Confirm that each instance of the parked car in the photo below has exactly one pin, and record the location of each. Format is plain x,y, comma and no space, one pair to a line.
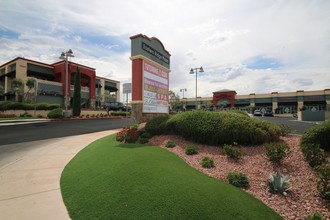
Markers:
257,113
116,106
268,113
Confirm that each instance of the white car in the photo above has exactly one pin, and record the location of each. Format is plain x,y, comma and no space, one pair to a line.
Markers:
257,113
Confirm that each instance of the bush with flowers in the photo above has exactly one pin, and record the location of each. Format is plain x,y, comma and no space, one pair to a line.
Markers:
127,135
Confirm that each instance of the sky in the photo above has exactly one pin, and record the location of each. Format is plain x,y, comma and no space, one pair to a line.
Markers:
249,46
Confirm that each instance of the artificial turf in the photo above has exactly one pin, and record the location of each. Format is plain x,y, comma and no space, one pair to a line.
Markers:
111,180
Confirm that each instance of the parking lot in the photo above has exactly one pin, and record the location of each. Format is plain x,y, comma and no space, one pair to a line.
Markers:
298,127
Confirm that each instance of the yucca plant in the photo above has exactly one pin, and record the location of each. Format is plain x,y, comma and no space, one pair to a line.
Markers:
278,183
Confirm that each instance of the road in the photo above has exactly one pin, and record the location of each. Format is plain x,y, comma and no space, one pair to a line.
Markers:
26,132
298,127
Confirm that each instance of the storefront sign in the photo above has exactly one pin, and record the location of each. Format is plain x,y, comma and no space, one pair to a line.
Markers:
127,88
155,53
155,89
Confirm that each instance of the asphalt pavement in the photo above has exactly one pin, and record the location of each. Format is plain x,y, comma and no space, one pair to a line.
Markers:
298,127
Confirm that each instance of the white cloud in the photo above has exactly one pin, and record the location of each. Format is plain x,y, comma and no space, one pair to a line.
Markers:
218,35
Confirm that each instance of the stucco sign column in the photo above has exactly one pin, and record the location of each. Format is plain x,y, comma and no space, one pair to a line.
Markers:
150,77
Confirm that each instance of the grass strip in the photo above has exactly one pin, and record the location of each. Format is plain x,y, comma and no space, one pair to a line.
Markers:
111,180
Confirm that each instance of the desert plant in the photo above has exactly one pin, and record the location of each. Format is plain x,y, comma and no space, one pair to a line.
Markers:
207,162
278,183
315,216
170,144
233,151
323,184
238,179
191,149
55,113
277,151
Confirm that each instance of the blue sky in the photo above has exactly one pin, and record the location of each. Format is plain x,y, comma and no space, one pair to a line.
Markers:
249,46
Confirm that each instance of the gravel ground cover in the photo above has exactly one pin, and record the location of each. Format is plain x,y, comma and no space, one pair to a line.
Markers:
303,199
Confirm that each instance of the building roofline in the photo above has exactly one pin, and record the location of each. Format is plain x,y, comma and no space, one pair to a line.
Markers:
101,77
22,58
61,61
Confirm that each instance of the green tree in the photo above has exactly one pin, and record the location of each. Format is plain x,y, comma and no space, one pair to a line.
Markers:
1,90
30,84
174,100
76,105
17,86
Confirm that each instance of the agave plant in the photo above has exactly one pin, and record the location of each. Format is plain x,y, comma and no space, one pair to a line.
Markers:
278,183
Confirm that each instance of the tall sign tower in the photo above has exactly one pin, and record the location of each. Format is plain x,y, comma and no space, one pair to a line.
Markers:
150,77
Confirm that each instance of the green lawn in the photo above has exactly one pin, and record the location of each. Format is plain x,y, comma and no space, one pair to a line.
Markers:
111,180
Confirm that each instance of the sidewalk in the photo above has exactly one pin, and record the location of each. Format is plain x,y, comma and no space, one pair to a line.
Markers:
30,177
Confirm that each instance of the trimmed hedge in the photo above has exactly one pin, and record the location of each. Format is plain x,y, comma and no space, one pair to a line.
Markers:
157,125
218,128
9,105
317,135
55,113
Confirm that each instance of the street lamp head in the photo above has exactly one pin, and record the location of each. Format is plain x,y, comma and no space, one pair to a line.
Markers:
62,57
69,53
191,71
201,70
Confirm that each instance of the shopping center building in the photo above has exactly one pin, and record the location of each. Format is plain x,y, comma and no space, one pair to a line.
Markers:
51,82
277,102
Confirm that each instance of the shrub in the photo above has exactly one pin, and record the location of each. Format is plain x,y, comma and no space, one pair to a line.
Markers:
233,152
323,184
4,105
52,106
55,113
277,151
119,114
315,216
285,129
157,125
238,179
25,114
143,140
318,134
7,115
191,149
314,155
207,162
218,128
134,126
170,144
278,183
127,135
145,134
42,106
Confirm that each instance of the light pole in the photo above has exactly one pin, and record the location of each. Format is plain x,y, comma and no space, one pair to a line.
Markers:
192,71
65,56
183,90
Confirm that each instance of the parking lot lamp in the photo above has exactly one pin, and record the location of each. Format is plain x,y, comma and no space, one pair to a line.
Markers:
65,56
193,71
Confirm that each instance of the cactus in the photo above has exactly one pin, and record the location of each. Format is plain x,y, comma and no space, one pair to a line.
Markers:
278,183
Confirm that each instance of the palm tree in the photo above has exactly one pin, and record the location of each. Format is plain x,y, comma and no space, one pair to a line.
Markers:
17,87
30,84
